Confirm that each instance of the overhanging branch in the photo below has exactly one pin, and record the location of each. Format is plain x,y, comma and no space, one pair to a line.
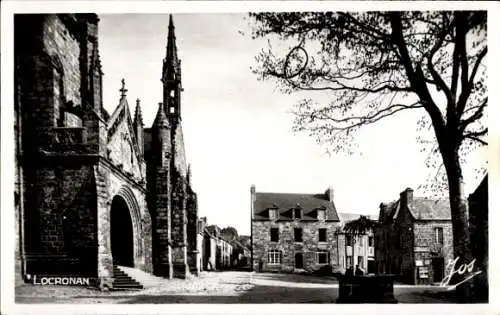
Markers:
462,100
477,115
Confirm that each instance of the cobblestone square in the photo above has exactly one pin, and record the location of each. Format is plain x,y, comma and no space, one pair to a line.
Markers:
223,287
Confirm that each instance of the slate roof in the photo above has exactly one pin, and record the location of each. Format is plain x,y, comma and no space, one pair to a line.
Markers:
422,209
429,209
287,202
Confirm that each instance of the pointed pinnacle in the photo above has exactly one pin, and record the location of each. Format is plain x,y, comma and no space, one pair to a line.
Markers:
138,113
171,46
161,119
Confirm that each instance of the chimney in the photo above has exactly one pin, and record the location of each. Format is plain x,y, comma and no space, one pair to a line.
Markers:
202,222
407,197
329,193
383,209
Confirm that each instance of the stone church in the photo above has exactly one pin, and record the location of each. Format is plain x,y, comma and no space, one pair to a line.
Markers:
95,190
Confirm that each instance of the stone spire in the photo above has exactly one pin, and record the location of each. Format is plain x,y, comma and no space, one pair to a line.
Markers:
171,78
188,174
139,126
171,45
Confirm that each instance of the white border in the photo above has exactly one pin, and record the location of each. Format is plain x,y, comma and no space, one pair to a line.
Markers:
101,7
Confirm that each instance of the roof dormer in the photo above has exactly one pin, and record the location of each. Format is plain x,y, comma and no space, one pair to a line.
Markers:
297,212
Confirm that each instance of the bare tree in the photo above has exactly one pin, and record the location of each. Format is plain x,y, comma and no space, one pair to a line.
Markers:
367,66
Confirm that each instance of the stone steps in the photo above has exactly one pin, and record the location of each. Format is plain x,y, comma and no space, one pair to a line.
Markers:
122,281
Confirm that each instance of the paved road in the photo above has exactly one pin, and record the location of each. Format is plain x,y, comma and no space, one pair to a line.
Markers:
220,287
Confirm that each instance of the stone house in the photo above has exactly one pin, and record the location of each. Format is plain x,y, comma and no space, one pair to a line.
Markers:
211,255
414,239
356,250
95,190
293,232
223,247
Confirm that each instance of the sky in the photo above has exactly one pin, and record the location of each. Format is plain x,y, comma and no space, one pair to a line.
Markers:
237,130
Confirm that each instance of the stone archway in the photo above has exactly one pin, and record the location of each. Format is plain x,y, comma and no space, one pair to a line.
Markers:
122,233
125,229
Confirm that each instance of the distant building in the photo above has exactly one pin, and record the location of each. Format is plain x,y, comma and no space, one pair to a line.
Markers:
217,251
209,251
415,238
356,250
293,232
200,244
241,254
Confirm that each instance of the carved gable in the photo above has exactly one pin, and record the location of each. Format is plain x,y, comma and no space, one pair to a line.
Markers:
122,142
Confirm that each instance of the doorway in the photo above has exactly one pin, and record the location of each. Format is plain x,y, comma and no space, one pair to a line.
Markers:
299,261
122,234
438,268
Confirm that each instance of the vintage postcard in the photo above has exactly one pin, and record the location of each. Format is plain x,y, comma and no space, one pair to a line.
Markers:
285,156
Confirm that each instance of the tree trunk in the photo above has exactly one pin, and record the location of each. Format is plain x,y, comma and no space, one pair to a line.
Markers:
459,218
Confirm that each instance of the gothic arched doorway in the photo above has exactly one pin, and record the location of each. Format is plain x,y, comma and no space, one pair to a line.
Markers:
122,233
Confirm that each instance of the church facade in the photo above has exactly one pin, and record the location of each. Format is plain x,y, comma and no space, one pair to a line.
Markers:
96,190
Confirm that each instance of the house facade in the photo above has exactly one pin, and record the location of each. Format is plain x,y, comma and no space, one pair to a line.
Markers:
356,250
414,240
223,248
95,190
293,232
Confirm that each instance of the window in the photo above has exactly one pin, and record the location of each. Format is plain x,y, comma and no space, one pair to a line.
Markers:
274,257
439,235
275,236
322,235
298,213
360,262
370,241
297,235
348,240
322,258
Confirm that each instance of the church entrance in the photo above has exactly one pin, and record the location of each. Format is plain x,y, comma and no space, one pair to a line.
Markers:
122,233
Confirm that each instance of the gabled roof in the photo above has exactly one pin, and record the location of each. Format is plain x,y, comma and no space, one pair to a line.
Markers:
286,202
429,209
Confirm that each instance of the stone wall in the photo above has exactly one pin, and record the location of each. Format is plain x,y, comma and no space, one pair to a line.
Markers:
192,230
261,244
425,239
61,222
61,42
179,150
